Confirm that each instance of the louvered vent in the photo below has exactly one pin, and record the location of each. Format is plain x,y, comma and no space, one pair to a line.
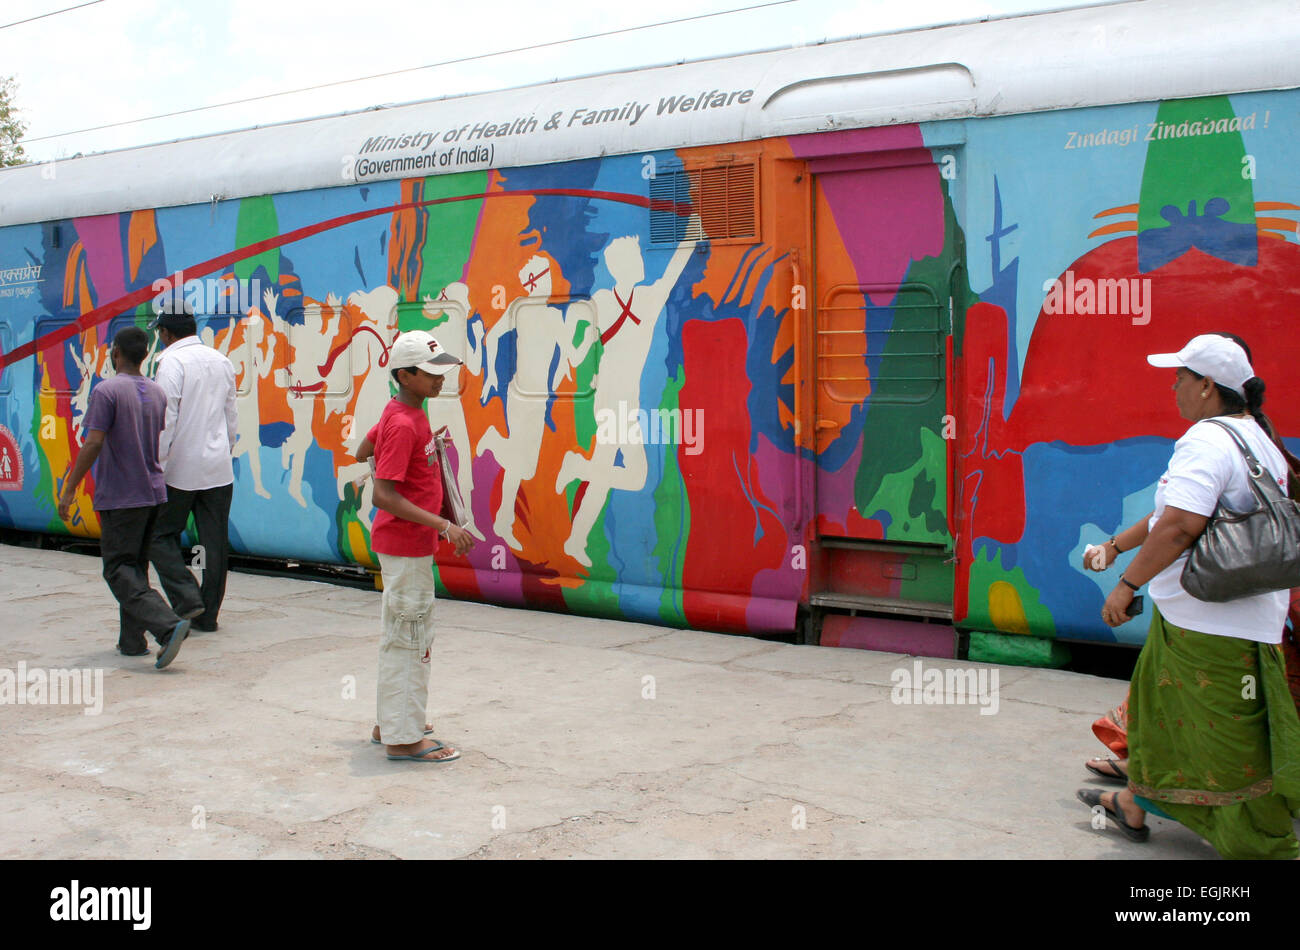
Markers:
721,201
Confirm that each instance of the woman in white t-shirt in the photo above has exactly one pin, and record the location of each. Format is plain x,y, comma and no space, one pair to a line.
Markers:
1213,736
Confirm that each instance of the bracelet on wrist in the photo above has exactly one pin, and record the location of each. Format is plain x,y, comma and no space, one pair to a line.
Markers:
1129,583
1115,545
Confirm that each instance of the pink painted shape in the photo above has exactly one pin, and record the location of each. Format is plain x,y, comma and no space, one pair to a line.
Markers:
776,472
101,236
850,141
887,217
835,489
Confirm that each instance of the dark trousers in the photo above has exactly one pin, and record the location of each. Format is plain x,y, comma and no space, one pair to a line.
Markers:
125,536
211,509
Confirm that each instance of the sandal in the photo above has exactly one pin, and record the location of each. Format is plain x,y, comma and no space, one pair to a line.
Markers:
1117,775
1092,798
424,756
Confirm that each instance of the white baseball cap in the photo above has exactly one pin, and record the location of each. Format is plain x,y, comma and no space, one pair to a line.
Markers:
417,349
1221,359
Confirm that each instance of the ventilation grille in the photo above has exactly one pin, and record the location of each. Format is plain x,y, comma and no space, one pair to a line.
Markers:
722,202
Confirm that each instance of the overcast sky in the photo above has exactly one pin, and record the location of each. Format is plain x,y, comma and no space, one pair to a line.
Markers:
119,60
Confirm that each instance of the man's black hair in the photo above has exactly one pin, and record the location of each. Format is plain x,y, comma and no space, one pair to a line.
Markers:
132,343
176,316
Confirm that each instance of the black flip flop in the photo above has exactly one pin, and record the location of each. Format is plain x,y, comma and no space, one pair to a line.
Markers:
1092,798
1122,776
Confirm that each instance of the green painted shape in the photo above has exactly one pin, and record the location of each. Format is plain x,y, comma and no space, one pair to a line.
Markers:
1195,167
347,513
596,595
672,519
257,221
45,484
920,491
898,437
448,239
933,582
983,573
584,409
1012,650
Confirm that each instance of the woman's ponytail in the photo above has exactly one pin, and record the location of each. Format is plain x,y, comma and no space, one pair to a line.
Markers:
1254,388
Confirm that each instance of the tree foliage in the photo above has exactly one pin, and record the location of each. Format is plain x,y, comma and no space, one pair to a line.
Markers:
11,127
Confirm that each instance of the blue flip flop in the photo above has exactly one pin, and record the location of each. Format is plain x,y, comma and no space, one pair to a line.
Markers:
168,652
424,756
374,741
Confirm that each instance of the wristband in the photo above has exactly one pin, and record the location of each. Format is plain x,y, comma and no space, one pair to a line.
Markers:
1129,583
1115,544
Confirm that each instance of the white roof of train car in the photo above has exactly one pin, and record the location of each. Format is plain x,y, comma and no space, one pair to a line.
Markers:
1124,52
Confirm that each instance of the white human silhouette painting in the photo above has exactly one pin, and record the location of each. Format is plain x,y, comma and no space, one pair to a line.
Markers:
6,467
627,314
311,345
373,331
253,362
540,330
91,361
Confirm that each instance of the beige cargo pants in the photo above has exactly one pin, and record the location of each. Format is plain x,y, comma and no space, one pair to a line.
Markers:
402,695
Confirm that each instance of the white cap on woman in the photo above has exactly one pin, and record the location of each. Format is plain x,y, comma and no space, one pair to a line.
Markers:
1209,354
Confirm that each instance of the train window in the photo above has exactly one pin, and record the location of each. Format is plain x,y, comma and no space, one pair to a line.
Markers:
231,335
902,361
445,320
319,361
69,368
552,335
723,200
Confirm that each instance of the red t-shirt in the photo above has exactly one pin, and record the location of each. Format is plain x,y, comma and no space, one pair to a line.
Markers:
404,453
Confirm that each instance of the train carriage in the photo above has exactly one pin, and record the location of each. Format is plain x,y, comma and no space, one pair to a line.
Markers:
801,340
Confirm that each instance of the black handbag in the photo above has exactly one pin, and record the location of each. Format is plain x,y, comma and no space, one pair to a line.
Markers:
1243,553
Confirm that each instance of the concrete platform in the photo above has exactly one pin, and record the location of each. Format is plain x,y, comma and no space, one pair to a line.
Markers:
255,743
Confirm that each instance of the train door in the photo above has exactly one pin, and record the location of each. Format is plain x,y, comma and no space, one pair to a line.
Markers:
881,333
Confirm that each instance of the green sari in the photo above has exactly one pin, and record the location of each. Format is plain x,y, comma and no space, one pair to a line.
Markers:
1214,739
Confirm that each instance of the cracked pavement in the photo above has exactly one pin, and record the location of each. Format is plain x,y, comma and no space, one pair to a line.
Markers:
580,737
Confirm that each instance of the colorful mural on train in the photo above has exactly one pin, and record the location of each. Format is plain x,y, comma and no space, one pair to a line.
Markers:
661,423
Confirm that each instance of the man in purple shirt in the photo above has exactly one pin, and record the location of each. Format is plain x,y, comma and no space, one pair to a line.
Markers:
123,422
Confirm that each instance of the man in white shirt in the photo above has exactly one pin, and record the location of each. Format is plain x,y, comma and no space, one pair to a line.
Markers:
195,449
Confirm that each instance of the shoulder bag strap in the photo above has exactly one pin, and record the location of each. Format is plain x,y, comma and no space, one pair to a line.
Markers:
1260,478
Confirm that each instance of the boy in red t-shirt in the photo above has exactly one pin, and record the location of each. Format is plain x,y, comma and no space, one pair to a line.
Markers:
408,494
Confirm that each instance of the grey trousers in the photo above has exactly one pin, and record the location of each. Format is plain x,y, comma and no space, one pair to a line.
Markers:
124,542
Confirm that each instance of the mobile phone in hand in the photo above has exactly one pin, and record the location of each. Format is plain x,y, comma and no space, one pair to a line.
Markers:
1136,606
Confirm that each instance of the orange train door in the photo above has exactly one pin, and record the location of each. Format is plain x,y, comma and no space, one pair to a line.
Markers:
880,335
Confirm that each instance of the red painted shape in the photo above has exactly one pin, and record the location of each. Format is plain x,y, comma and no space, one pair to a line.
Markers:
889,636
328,365
992,489
1087,381
722,554
626,312
11,462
